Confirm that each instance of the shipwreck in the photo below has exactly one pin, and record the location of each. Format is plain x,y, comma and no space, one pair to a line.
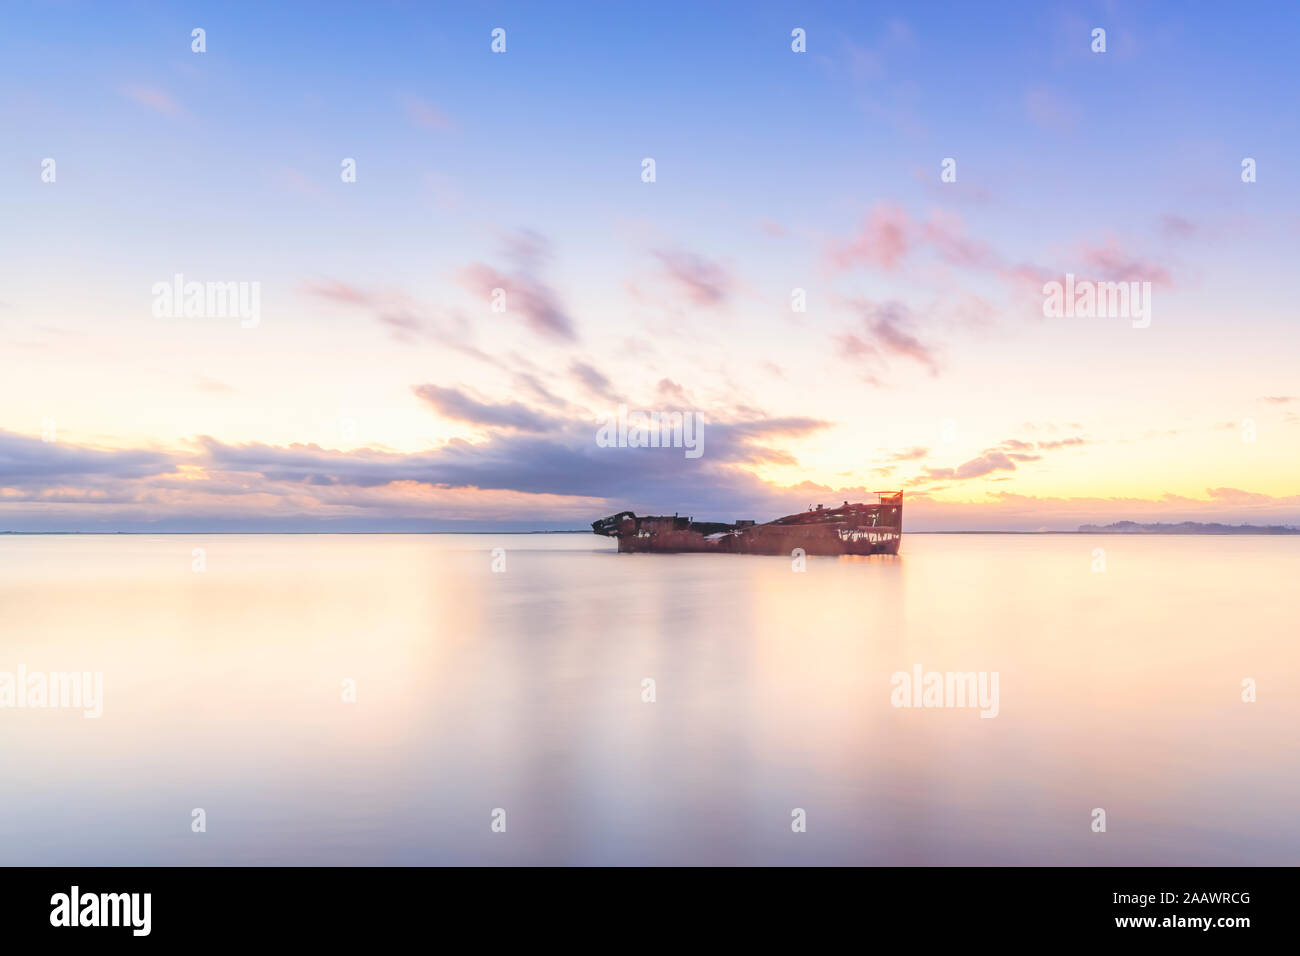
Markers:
849,529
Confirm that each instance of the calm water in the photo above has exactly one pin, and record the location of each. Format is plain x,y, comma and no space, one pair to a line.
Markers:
522,690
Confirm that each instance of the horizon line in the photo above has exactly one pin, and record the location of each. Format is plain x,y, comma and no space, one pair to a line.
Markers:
1251,530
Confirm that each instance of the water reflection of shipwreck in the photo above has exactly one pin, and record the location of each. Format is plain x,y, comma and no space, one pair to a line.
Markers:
849,529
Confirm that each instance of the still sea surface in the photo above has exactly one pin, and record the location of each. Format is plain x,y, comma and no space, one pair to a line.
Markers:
522,690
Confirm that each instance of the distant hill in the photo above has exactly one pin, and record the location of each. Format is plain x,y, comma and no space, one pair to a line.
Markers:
1185,527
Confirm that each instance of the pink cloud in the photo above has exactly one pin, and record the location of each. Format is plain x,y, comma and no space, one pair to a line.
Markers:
154,98
1177,227
337,291
526,295
701,281
886,331
297,182
1050,110
975,468
426,115
882,241
673,392
1117,265
946,232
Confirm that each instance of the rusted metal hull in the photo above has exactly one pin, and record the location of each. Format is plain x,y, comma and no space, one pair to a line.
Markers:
850,529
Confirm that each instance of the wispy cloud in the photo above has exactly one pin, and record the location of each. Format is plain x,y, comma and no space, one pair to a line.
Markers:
671,391
699,280
425,115
1008,454
975,468
1116,264
1178,227
456,405
526,294
1073,442
153,98
336,291
1050,110
296,181
213,386
885,332
882,241
910,454
946,233
404,326
593,380
405,319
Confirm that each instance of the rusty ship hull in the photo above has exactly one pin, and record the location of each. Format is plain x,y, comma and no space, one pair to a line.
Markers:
849,529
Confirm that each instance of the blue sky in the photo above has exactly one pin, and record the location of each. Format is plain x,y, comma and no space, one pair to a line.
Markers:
775,170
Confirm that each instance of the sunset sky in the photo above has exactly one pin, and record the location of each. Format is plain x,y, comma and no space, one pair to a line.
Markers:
380,391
